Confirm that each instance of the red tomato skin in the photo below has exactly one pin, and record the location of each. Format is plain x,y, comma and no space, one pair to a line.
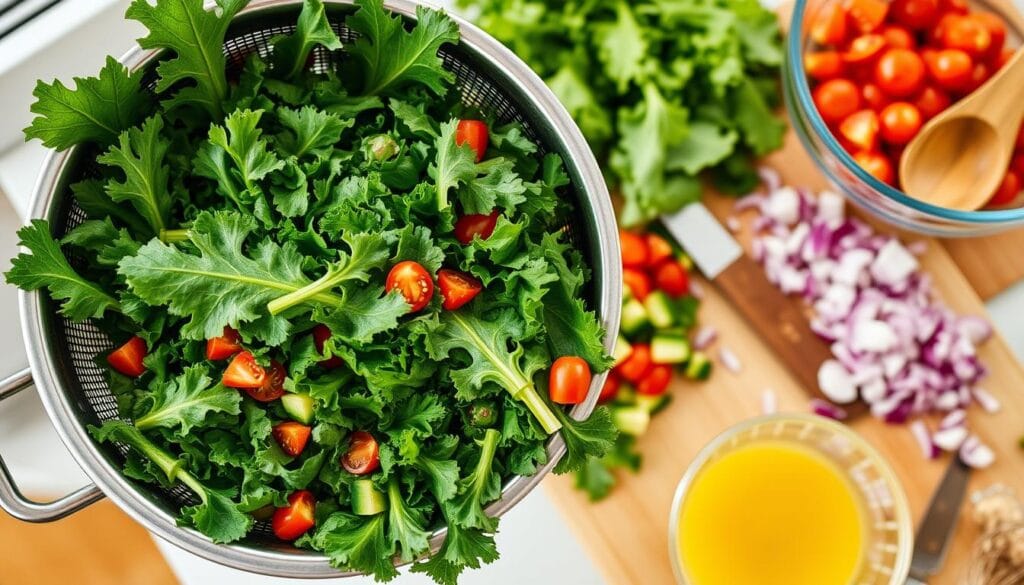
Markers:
867,15
874,97
291,436
951,69
954,6
272,387
359,442
899,123
638,282
635,367
658,249
634,249
864,48
292,522
931,102
1020,138
876,164
1017,164
996,31
474,224
967,34
243,372
225,346
569,380
671,277
321,333
915,14
830,25
127,359
824,65
473,133
898,37
900,72
457,288
861,129
836,99
1004,57
1007,191
413,281
656,382
979,75
610,389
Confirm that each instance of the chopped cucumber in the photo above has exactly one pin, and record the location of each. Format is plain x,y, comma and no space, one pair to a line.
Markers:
634,317
699,366
627,293
631,420
669,348
653,404
366,500
622,350
659,309
626,395
299,407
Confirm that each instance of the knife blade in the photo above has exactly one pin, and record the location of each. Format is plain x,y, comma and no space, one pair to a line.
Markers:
935,533
779,320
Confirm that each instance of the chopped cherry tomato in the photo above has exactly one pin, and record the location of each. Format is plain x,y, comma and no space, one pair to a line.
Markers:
671,277
291,436
127,359
638,282
272,387
874,97
295,520
830,25
954,6
321,333
636,366
861,129
469,226
898,37
413,281
877,165
363,454
900,72
931,101
225,346
1017,164
473,133
996,30
936,32
951,69
823,65
1008,190
610,389
967,34
836,99
457,288
657,249
569,380
867,15
864,48
244,372
634,249
915,14
656,381
899,123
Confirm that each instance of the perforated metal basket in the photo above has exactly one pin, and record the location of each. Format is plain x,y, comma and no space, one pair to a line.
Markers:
61,353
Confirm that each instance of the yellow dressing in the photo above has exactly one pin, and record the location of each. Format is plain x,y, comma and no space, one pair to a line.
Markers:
771,513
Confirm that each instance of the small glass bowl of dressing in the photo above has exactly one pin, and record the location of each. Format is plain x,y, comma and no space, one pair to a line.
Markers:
790,499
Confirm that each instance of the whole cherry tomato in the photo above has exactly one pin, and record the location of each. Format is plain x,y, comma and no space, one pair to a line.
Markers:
569,380
473,133
898,37
915,14
899,123
1007,191
634,249
900,72
836,99
951,69
823,65
967,34
996,30
931,101
656,381
877,165
874,97
861,129
979,75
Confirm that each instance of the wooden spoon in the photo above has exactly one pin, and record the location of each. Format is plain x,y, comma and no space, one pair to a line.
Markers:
959,158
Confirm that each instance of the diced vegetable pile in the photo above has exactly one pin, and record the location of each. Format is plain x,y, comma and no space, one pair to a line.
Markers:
344,303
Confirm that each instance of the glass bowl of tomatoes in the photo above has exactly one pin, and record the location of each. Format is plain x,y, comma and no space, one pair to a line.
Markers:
861,77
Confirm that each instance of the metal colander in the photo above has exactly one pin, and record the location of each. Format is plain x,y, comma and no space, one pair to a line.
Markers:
61,354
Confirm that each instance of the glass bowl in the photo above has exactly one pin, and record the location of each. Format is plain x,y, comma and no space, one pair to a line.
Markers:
888,526
881,200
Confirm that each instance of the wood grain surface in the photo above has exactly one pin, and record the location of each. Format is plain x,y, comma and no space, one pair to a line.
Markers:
627,534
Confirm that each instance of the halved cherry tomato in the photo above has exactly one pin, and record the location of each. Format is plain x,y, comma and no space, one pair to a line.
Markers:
931,101
829,26
967,34
1017,164
272,387
867,15
295,520
291,436
321,333
823,65
656,381
951,69
457,288
469,226
861,129
898,37
671,277
225,346
915,14
413,281
996,30
473,133
899,123
634,249
874,97
900,72
1008,190
877,165
363,454
657,249
610,389
836,99
569,380
638,282
127,359
636,366
244,372
864,48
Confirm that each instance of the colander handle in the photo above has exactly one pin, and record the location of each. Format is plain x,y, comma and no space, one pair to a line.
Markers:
11,499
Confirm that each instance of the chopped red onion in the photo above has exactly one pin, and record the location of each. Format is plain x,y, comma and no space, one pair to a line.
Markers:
924,439
769,401
730,360
827,409
770,177
976,454
696,290
918,248
987,401
950,439
836,383
752,201
957,418
704,337
733,223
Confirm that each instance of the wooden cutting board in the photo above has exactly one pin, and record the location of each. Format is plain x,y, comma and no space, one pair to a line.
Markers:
626,535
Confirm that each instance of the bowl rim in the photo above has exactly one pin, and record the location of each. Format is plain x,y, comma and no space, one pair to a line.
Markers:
794,55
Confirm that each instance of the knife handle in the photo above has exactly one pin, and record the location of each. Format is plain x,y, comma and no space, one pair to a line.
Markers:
781,323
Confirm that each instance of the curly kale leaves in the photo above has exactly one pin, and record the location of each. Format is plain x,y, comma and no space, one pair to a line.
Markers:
292,52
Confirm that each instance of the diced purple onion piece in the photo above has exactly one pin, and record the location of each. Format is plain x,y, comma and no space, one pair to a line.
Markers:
827,409
924,439
976,454
987,401
704,337
730,360
769,401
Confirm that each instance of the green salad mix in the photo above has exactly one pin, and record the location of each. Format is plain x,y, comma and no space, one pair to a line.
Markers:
265,246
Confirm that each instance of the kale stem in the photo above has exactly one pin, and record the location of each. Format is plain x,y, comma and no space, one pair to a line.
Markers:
297,297
170,236
547,419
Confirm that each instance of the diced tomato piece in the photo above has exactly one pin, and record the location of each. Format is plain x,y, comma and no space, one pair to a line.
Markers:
899,123
829,26
656,381
638,282
670,276
244,372
634,249
469,226
295,520
823,65
363,454
867,15
457,288
864,48
291,436
413,281
127,359
473,133
321,333
900,72
915,14
931,102
658,249
225,346
636,366
1007,191
272,387
877,165
861,129
569,380
836,99
610,389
